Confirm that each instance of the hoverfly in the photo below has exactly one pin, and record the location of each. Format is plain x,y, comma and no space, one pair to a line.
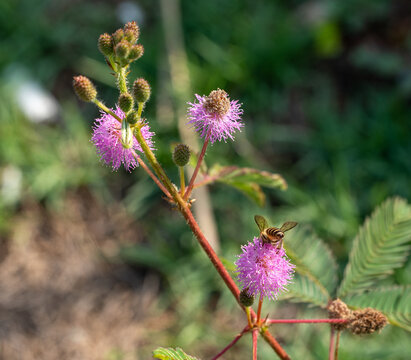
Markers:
272,235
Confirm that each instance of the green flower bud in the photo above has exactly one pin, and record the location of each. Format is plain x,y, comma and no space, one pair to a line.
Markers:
132,118
136,52
84,88
125,101
245,298
141,90
181,155
122,49
118,35
131,31
105,44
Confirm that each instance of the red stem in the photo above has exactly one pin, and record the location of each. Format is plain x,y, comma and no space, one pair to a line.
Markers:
331,349
200,159
305,321
275,345
255,334
232,343
260,305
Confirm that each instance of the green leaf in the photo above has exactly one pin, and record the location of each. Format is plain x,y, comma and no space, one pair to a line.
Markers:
303,289
246,180
393,301
229,174
171,354
381,245
312,257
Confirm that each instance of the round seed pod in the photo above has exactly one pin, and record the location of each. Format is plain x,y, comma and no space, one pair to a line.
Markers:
118,35
136,52
181,155
132,118
141,90
122,49
367,321
246,299
84,88
131,31
105,44
125,101
339,310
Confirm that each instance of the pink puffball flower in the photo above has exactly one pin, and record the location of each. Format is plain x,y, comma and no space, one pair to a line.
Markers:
107,140
215,116
263,269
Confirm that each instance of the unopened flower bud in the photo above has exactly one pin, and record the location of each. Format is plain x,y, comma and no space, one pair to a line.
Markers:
367,321
84,88
118,35
136,52
181,155
246,299
339,310
122,49
105,44
141,90
217,103
126,135
125,101
131,31
132,118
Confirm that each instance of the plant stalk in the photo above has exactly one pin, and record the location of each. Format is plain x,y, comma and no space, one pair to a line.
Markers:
106,109
232,343
199,161
182,180
255,335
305,321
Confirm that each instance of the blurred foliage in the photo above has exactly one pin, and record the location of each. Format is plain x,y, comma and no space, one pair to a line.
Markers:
325,86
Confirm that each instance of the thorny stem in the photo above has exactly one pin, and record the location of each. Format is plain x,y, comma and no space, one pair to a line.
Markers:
122,81
255,335
106,109
150,173
331,349
182,180
195,173
337,344
260,305
232,343
305,321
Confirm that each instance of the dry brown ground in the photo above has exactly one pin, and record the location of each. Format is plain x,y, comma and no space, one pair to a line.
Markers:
59,298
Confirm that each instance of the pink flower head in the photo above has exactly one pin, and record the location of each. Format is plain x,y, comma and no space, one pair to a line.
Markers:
215,116
107,139
263,269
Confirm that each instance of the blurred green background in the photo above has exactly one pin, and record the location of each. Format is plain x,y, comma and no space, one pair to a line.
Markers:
326,90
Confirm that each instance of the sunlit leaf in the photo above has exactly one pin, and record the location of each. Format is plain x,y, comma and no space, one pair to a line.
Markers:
172,354
381,245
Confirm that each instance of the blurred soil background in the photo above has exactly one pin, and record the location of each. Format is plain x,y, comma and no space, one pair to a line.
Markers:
94,264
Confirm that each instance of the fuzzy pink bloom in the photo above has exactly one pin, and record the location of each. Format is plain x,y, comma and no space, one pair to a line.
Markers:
264,269
107,139
215,115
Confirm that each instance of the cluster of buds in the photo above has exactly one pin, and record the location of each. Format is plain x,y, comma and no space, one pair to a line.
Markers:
121,47
359,322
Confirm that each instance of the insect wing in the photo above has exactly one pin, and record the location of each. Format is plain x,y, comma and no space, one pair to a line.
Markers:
261,222
288,226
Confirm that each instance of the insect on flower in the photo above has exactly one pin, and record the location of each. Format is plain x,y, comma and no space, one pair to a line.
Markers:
271,234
